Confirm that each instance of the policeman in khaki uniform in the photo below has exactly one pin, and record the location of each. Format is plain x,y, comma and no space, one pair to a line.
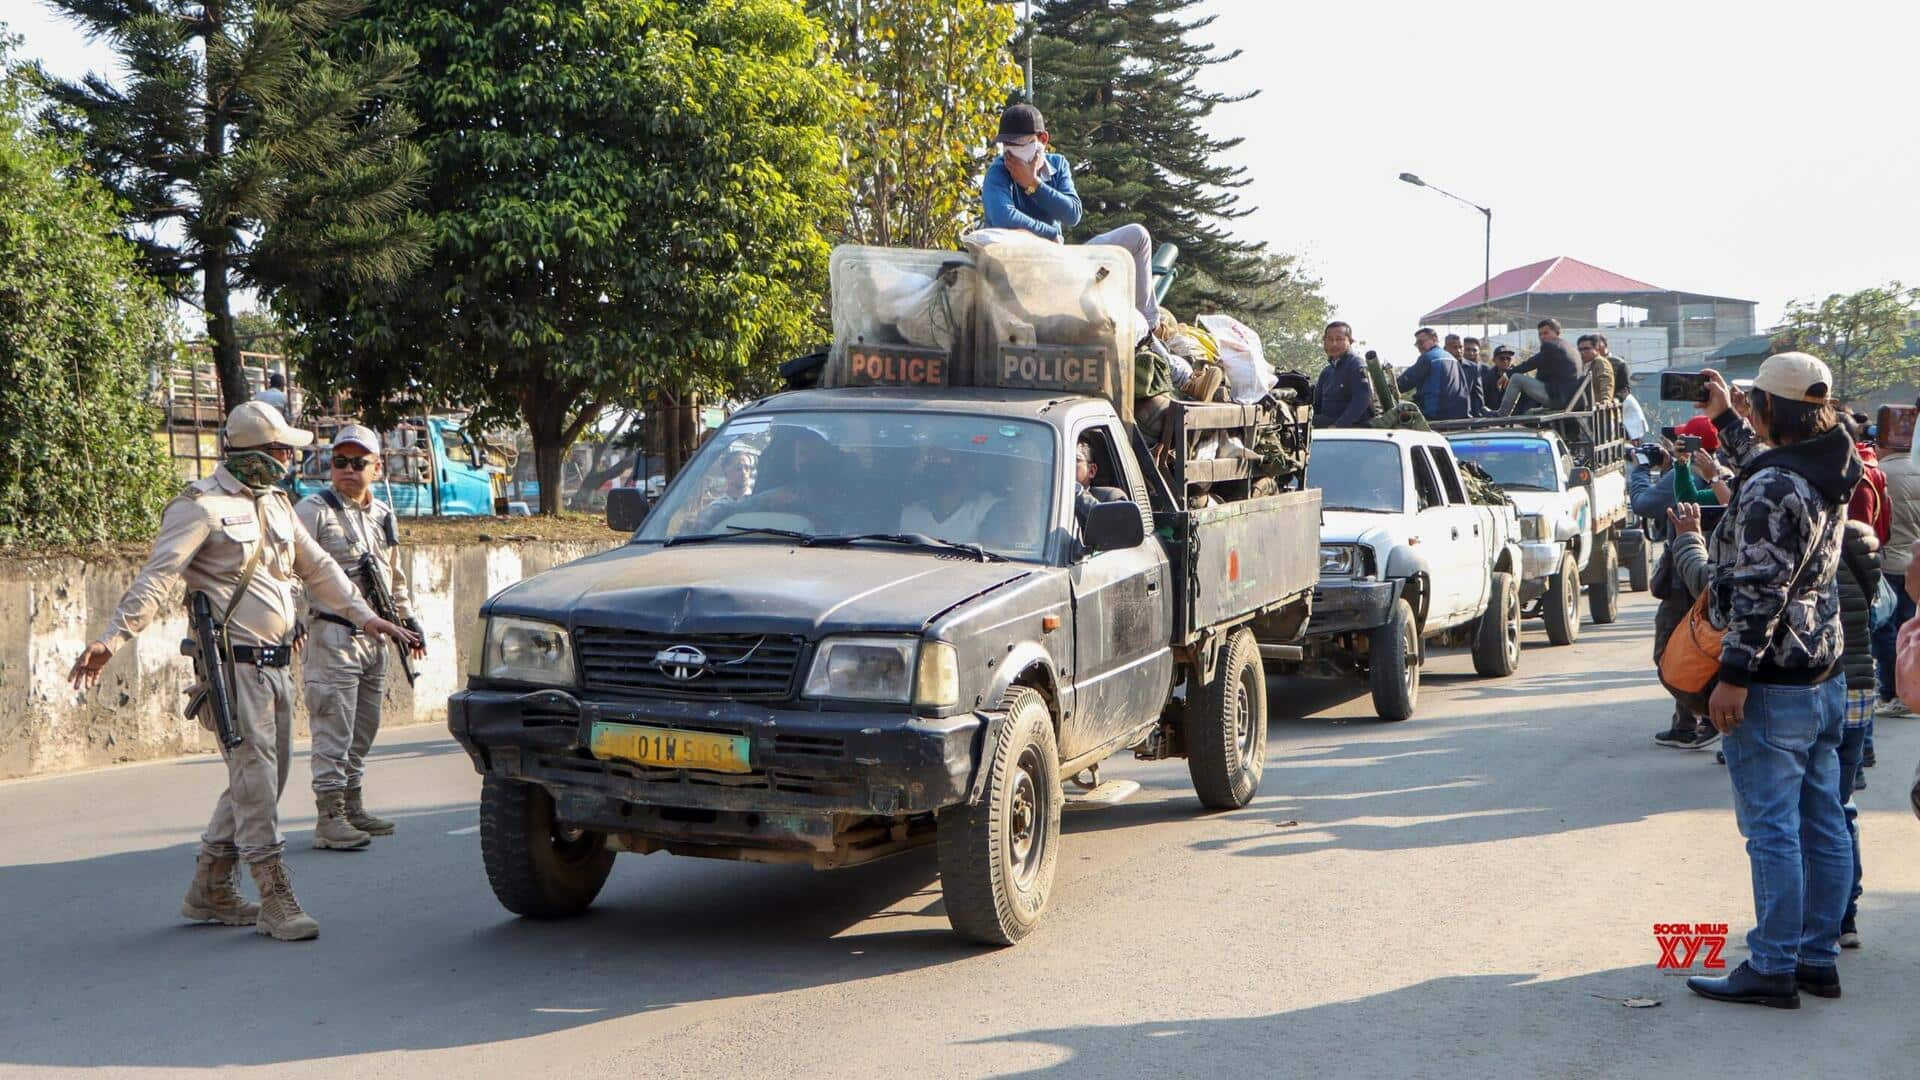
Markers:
231,528
345,671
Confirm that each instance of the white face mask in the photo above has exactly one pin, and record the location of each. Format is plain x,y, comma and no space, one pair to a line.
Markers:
1027,152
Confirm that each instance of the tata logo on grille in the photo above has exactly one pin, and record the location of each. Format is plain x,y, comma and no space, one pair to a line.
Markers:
682,663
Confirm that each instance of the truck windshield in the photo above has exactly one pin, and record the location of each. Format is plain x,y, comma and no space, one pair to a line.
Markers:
977,480
1522,464
1357,474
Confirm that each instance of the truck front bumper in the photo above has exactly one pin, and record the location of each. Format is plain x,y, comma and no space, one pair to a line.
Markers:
1343,606
1539,560
804,762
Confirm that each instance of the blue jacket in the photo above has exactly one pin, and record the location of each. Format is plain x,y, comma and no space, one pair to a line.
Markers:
1650,498
1048,212
1344,395
1443,385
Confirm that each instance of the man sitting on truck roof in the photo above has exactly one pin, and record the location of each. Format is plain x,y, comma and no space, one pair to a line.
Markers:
1028,187
1559,376
1343,396
1444,394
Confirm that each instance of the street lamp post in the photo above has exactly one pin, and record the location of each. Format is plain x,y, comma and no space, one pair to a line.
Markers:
1486,274
1026,31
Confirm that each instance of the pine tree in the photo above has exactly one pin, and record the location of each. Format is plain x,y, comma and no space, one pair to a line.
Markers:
246,155
1116,80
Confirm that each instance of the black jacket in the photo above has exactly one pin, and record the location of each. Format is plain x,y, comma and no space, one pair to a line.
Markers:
1343,397
1556,367
1859,579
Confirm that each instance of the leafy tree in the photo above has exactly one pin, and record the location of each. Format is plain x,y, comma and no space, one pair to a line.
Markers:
1862,336
247,155
626,196
1286,309
931,76
79,322
1117,81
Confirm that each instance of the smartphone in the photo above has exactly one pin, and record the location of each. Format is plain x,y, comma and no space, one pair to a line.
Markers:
1687,443
1669,434
1683,386
1896,423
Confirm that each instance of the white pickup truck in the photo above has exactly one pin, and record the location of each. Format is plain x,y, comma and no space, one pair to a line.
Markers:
1405,556
1571,519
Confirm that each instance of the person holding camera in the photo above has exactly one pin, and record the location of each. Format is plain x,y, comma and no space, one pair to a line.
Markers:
1779,696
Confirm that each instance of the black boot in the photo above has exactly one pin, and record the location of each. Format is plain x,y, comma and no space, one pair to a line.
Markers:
1749,987
1818,981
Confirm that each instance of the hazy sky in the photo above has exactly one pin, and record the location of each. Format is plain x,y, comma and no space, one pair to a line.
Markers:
1759,150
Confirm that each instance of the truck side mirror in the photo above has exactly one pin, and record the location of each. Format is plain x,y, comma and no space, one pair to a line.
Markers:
627,508
1580,476
1113,526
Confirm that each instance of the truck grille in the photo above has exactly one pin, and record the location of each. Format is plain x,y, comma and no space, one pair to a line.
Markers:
631,663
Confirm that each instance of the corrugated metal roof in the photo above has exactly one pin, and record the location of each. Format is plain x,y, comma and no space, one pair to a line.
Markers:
1560,275
1744,348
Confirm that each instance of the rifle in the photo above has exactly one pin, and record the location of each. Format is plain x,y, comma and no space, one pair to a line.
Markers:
367,576
213,659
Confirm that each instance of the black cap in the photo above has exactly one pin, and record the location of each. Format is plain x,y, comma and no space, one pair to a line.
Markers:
1020,121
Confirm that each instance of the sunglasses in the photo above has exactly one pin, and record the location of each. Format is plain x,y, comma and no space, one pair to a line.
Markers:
357,464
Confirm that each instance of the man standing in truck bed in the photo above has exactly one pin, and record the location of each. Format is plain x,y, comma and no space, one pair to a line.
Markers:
234,536
345,671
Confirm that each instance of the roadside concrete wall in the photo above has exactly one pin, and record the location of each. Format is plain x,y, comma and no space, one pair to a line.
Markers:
50,609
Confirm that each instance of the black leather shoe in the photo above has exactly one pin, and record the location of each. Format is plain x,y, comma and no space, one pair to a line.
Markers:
1818,981
1749,987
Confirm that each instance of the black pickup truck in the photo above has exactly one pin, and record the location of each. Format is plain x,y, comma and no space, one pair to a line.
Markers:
913,625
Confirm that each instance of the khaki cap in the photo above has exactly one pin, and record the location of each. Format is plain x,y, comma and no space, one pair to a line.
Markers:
1795,376
256,423
359,435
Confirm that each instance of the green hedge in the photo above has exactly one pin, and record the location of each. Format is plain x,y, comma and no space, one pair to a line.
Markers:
79,323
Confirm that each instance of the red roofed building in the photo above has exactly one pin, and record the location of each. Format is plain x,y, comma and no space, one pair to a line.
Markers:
1572,291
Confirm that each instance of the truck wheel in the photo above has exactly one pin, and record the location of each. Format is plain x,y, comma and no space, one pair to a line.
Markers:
1561,605
1394,664
1496,638
1640,566
538,867
1227,736
997,855
1603,596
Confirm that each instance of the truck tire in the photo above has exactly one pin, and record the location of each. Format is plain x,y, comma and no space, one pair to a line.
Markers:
537,866
997,856
1561,605
1640,565
1394,664
1496,638
1603,596
1227,735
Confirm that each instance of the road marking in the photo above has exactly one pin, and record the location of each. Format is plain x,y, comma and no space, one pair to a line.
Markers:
464,832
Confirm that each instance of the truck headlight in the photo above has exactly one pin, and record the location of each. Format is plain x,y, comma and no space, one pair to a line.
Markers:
864,669
528,650
936,682
1338,560
1533,526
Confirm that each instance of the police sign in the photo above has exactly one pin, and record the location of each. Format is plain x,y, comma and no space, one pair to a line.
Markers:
1070,368
897,365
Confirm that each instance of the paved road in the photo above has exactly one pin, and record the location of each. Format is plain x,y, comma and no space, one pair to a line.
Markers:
1469,893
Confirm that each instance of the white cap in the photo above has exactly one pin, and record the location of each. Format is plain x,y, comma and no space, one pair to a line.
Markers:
1795,376
255,424
359,435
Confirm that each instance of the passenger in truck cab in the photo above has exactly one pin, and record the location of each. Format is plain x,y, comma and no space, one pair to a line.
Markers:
1086,494
957,497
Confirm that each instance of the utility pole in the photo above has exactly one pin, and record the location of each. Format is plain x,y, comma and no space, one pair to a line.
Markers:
1486,272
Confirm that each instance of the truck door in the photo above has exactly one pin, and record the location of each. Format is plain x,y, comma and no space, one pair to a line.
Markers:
1445,536
1476,550
1122,624
465,488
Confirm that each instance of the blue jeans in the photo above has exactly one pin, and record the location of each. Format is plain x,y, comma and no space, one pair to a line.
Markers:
1784,761
1883,638
1852,745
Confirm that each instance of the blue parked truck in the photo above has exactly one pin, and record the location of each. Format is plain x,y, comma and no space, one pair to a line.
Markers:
434,467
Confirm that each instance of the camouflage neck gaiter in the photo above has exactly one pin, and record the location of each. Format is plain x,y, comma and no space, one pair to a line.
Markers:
255,468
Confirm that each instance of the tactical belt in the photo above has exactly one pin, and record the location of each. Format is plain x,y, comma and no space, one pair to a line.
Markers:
328,617
266,656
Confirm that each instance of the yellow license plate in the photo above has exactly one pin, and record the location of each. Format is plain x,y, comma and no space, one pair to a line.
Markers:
668,749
